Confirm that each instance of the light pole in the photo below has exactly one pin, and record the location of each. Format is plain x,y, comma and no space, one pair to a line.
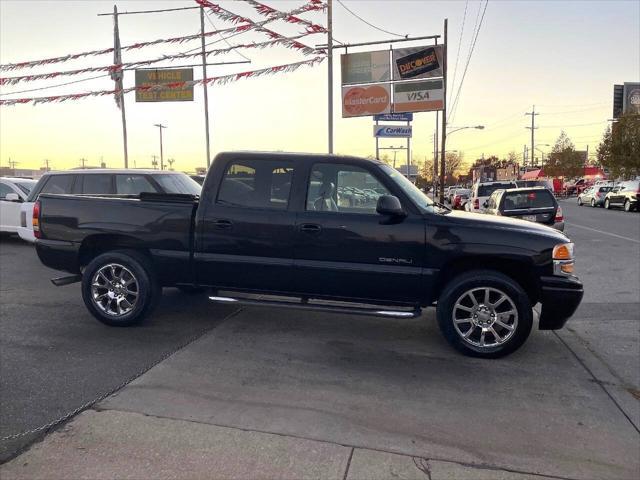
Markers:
160,126
443,164
541,145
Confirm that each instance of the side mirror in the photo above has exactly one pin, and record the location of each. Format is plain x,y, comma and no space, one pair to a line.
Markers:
485,204
390,205
12,197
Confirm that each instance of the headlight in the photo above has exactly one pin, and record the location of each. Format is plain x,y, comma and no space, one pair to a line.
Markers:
563,261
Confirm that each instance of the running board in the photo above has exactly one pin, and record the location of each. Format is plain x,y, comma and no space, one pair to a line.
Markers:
376,312
68,280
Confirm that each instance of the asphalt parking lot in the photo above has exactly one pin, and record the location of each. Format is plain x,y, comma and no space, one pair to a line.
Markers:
371,395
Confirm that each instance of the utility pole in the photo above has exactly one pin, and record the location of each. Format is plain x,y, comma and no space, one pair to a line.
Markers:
118,77
204,86
330,73
532,128
444,111
160,126
83,162
46,163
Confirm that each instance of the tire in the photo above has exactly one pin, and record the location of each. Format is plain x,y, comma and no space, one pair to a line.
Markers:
100,281
579,202
627,206
455,300
606,204
593,203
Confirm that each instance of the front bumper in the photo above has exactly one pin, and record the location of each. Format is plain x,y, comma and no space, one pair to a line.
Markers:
560,298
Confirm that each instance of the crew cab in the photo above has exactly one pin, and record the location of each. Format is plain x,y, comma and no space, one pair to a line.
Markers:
273,229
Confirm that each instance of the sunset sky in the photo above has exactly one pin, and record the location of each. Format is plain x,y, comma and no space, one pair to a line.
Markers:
562,56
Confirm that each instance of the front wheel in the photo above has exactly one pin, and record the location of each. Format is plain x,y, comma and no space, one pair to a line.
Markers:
606,203
579,201
119,288
593,203
627,206
484,314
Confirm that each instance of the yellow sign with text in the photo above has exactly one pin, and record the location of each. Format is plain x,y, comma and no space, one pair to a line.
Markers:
148,77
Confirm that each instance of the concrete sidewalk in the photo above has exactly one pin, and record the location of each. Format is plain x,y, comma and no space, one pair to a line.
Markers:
111,444
273,395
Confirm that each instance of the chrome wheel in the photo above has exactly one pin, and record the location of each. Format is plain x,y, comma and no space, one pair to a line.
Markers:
627,206
114,290
485,317
593,203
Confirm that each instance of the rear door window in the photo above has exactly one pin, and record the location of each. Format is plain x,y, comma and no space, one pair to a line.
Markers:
58,184
259,184
96,184
525,200
133,185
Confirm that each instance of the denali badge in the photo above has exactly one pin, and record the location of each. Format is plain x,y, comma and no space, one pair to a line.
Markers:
406,261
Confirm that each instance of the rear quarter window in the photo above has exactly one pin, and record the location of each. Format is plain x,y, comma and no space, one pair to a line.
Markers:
526,200
486,190
58,184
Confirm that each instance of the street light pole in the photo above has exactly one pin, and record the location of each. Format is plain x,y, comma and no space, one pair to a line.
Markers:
160,126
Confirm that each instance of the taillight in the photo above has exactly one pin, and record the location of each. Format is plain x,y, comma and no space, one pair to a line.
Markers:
476,204
35,219
559,216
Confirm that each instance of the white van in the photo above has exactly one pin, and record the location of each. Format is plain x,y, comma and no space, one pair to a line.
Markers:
481,191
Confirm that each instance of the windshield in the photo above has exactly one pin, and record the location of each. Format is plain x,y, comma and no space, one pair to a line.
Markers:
26,185
424,203
178,183
487,190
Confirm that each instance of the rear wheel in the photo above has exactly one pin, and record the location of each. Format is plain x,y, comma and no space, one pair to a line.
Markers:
627,206
579,201
606,203
119,288
593,203
484,314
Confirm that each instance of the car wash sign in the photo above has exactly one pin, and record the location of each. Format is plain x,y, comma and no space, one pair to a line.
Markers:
392,131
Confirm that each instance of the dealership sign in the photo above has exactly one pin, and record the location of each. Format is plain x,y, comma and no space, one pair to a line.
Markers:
392,131
365,67
394,117
366,100
631,98
423,96
152,76
417,62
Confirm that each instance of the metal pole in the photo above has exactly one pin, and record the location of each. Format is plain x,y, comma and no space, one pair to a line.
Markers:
444,111
533,121
119,86
377,145
408,154
330,72
161,154
436,138
204,86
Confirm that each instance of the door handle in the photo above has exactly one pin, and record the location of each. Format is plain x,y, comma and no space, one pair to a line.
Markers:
223,223
310,228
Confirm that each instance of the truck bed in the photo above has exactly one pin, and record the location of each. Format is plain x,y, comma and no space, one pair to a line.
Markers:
162,223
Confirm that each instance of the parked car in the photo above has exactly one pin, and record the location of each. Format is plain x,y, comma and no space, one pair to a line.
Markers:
535,183
594,196
624,195
449,192
460,198
535,204
403,253
481,191
13,192
198,178
103,182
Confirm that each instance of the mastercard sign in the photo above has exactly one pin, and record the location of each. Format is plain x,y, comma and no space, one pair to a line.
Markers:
362,101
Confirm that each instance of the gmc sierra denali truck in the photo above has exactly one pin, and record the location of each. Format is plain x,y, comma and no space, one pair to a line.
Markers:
323,232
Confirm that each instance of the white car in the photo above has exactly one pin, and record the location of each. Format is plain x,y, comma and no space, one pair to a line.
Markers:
100,181
481,192
13,193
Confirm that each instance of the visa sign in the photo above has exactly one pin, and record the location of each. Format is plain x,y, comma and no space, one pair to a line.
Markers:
389,131
423,96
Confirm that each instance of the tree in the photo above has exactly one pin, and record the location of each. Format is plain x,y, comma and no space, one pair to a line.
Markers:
563,160
619,150
512,158
452,163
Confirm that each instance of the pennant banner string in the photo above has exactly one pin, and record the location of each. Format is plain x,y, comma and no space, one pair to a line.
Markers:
220,80
290,42
250,25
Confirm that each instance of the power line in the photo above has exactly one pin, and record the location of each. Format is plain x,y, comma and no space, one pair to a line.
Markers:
208,17
464,74
455,69
55,86
369,23
575,125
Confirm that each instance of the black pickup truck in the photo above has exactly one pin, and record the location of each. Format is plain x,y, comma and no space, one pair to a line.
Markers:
321,232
